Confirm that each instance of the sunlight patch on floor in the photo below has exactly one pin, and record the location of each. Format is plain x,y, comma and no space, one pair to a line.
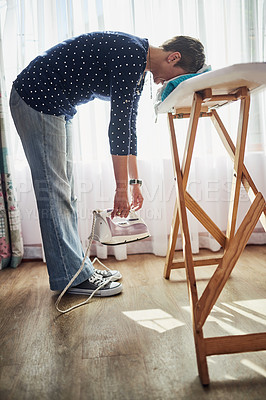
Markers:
230,377
155,319
254,367
257,305
252,306
226,326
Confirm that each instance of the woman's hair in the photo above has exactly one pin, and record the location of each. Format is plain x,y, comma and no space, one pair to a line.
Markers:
191,50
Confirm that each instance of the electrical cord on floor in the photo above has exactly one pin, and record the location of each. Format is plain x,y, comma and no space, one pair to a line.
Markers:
79,271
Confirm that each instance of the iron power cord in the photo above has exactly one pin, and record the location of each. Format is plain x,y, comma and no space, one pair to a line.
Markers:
77,274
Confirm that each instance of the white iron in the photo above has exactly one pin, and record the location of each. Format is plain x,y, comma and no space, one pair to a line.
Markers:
119,230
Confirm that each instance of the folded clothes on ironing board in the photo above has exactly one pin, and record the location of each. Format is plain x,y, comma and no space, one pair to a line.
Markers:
169,86
226,80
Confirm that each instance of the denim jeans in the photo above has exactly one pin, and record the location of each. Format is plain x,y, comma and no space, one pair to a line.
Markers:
47,143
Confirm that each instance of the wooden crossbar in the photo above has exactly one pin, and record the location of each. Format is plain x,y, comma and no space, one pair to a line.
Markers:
198,263
205,220
235,344
232,242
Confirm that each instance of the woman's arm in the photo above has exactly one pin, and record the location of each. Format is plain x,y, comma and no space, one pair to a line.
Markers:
121,204
136,195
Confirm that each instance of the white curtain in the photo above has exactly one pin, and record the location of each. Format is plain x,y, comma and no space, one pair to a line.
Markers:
232,31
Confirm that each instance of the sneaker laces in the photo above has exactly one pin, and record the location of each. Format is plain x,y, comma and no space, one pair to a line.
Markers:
104,281
101,271
96,279
105,266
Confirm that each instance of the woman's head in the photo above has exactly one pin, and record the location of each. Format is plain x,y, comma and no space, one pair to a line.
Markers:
177,56
190,49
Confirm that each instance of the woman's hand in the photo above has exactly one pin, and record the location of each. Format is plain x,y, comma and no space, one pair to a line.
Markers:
136,197
121,204
123,164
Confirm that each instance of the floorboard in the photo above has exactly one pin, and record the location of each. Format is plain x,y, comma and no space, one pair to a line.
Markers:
137,345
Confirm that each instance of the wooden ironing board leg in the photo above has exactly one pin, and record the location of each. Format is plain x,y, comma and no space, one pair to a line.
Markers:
229,260
188,258
238,165
171,243
247,181
192,128
233,243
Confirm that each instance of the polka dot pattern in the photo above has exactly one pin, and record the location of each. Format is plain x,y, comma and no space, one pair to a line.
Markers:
105,65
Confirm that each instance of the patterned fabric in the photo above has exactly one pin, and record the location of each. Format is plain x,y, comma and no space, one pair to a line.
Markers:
11,246
104,65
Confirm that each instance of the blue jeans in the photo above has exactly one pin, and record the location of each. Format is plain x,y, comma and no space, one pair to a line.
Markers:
46,140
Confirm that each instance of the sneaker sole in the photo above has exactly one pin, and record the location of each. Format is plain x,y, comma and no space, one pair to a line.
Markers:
100,293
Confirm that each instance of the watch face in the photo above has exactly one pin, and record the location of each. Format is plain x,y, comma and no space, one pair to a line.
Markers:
135,181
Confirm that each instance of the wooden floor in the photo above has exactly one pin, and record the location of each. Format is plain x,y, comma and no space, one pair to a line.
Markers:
137,345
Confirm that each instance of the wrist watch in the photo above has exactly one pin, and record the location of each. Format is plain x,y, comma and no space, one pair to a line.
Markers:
135,182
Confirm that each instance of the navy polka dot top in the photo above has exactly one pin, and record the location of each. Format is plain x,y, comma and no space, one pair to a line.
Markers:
104,65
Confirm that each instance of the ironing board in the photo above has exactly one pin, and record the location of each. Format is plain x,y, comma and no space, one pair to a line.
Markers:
198,97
